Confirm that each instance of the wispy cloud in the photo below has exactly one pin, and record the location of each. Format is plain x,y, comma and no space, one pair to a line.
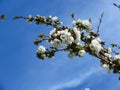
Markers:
75,81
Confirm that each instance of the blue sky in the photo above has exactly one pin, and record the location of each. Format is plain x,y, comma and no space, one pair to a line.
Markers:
21,70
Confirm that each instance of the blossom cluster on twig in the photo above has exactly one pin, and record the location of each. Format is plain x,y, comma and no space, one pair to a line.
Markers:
76,40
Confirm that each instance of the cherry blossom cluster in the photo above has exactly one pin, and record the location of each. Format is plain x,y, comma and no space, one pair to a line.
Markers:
76,40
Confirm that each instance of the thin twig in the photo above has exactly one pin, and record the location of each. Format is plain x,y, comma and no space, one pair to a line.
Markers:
100,21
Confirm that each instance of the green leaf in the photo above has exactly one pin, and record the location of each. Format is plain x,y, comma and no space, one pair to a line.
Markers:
41,35
79,47
36,42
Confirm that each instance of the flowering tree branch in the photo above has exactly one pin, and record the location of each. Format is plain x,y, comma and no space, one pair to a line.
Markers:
76,40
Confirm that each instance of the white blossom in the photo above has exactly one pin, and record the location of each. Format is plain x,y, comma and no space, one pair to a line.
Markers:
41,49
86,23
63,32
96,46
82,22
50,16
61,23
98,39
66,39
106,67
38,15
77,35
55,18
30,16
52,31
56,43
109,50
88,36
108,55
77,21
117,57
81,52
66,36
74,23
